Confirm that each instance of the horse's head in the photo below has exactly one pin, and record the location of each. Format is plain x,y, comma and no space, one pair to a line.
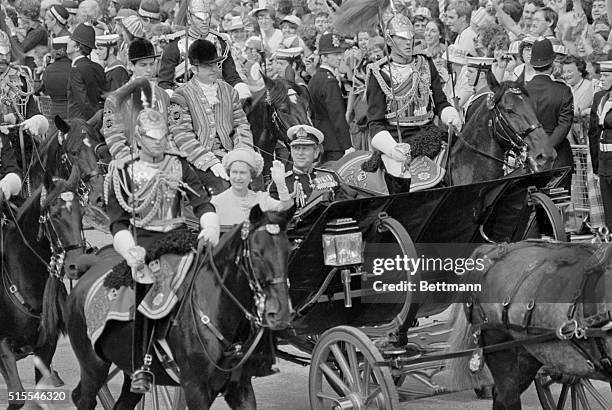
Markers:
267,253
515,123
78,141
60,221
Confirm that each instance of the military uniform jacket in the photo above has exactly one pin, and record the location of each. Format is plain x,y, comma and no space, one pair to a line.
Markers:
201,131
55,85
473,103
199,199
301,185
602,161
172,57
417,90
113,127
553,103
328,110
116,76
86,84
16,94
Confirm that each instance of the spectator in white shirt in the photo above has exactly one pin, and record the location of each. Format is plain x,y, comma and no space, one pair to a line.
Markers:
458,15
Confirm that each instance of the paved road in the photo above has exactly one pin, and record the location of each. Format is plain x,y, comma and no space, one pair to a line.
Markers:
286,390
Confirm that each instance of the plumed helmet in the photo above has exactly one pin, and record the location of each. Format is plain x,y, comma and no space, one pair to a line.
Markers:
400,25
5,43
84,34
152,123
199,8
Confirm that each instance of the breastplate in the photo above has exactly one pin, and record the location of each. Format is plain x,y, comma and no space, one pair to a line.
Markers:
13,99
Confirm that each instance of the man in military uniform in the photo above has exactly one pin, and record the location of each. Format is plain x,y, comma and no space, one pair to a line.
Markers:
172,66
302,180
87,81
477,69
17,104
327,105
600,137
206,117
155,173
553,103
55,80
143,64
404,95
114,70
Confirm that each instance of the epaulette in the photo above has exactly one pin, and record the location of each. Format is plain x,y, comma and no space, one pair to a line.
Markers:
288,173
223,36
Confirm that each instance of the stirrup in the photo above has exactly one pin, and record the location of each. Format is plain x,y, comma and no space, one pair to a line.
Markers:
142,381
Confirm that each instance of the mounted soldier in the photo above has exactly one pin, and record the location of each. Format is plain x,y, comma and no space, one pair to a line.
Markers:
197,15
144,206
206,117
17,104
404,91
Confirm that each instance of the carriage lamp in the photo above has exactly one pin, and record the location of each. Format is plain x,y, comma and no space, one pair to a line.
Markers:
342,243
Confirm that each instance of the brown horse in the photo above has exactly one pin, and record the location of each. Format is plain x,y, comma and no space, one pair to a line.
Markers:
548,291
501,122
40,245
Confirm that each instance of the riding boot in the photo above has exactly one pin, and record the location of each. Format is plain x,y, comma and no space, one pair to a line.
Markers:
142,378
396,185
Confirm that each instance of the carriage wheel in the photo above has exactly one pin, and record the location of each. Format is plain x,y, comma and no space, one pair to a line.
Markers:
567,392
545,219
168,398
343,374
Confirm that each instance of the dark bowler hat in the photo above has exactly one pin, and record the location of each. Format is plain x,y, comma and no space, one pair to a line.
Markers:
330,43
542,53
304,135
84,34
203,52
141,48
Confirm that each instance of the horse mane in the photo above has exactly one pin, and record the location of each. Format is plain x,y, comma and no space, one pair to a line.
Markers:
507,85
31,204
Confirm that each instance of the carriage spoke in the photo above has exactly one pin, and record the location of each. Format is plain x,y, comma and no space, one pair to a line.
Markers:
366,378
326,396
562,397
333,379
373,395
354,365
605,404
581,393
344,366
574,392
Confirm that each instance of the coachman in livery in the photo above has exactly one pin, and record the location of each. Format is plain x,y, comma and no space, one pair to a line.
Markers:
404,91
197,14
144,206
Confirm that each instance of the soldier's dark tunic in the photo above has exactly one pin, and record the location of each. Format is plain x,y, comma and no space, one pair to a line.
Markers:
553,103
85,87
328,109
416,105
116,76
602,158
173,56
55,85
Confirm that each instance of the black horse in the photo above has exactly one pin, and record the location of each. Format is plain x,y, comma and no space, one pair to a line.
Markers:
45,238
72,145
272,111
241,286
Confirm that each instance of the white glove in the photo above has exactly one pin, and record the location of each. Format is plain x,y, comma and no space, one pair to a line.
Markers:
124,244
210,228
349,150
244,91
10,118
37,125
10,185
450,116
277,172
219,171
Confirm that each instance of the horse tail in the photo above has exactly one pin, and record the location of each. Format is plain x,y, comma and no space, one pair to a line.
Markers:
52,323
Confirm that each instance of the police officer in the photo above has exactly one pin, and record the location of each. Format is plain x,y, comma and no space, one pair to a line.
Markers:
303,179
600,137
17,104
55,80
553,103
172,66
327,105
87,81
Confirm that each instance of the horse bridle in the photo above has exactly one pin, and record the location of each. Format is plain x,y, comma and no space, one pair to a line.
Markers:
82,189
245,264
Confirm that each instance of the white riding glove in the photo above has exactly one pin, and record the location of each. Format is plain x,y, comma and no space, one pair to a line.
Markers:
124,244
210,228
243,90
219,171
37,125
10,185
450,116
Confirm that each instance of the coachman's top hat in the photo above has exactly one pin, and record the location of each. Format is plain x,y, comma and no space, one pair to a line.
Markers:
203,52
84,34
542,53
140,49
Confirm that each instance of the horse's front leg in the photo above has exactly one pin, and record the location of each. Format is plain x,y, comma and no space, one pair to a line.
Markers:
8,368
46,354
240,395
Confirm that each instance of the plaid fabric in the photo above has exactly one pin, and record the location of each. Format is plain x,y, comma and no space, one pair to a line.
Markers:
596,212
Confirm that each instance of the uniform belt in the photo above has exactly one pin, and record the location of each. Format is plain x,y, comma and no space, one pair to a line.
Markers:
605,147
